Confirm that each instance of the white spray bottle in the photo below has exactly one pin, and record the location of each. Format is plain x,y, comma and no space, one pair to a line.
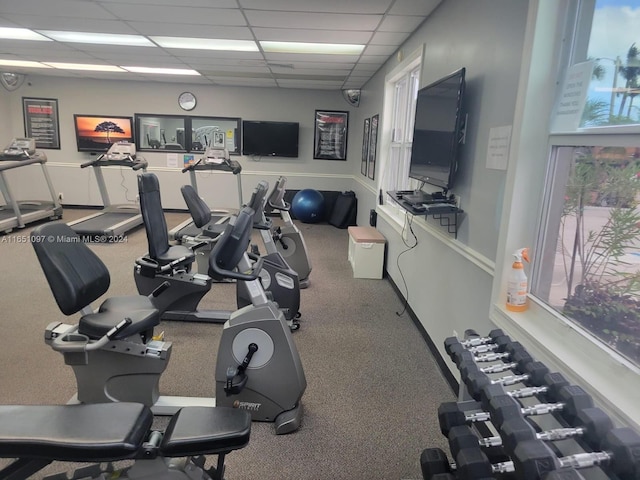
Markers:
517,284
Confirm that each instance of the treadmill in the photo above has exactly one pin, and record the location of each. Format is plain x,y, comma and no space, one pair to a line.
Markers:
214,159
112,221
21,152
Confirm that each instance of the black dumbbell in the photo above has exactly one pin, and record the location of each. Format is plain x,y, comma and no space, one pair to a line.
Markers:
571,399
592,424
503,345
436,466
620,455
551,384
472,341
516,358
532,373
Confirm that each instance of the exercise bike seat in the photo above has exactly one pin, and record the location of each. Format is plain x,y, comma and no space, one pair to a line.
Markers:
160,251
77,277
201,213
74,433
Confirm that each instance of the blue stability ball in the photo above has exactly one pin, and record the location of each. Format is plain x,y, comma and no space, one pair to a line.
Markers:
308,205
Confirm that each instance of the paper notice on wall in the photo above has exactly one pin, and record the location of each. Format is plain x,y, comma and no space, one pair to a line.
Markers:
172,160
573,96
498,149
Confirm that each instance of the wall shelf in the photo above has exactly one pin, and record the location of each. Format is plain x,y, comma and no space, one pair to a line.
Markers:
441,209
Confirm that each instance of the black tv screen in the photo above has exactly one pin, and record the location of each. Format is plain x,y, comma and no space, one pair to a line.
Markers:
272,139
96,133
438,131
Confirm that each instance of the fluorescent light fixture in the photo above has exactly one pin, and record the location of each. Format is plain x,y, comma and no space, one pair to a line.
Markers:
85,66
21,34
98,38
206,44
164,71
23,63
322,48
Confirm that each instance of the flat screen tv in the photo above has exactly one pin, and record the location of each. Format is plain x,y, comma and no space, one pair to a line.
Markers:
273,139
96,133
438,131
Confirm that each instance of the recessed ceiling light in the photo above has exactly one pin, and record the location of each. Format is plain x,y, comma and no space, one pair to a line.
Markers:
85,66
321,48
23,63
206,44
21,34
165,71
98,38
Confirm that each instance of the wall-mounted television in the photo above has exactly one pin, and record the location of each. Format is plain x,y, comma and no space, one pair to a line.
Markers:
273,139
96,133
438,130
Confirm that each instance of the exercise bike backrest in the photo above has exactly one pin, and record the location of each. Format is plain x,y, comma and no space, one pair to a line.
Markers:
256,203
231,247
76,276
276,198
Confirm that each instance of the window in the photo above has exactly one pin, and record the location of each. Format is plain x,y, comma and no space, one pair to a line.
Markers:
401,92
167,132
581,181
589,270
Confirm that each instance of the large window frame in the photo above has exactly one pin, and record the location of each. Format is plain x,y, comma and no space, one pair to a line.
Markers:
553,29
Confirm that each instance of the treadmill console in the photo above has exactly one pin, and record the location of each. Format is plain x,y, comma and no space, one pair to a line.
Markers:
216,155
20,147
122,151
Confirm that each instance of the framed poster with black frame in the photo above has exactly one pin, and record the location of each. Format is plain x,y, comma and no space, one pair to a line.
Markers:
41,121
365,147
373,142
330,135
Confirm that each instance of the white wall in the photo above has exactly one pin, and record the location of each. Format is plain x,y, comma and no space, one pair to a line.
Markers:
449,281
114,97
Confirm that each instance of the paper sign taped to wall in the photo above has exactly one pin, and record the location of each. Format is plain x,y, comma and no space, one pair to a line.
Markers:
498,148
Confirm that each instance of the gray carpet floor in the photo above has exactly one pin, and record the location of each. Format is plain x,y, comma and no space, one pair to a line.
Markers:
373,386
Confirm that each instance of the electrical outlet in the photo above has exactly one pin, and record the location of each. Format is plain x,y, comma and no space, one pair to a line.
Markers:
60,196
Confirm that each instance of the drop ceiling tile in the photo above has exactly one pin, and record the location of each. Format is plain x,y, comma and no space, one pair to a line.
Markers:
310,71
400,23
316,21
389,38
177,15
377,59
312,66
213,62
245,82
184,3
55,8
187,53
414,7
20,46
366,69
176,79
312,84
233,69
306,35
327,6
42,22
380,50
294,57
191,31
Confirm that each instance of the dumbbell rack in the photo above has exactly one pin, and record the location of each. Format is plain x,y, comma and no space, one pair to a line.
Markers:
510,408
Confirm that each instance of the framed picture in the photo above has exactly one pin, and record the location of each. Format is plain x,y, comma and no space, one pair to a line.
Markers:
365,146
41,121
373,142
330,135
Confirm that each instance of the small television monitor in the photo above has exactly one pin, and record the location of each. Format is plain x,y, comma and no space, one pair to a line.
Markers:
437,131
96,133
273,139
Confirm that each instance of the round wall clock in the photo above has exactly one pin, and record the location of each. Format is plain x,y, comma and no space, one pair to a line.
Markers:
187,101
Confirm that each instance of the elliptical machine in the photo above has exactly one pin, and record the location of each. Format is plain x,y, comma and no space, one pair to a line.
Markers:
288,238
114,356
171,264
